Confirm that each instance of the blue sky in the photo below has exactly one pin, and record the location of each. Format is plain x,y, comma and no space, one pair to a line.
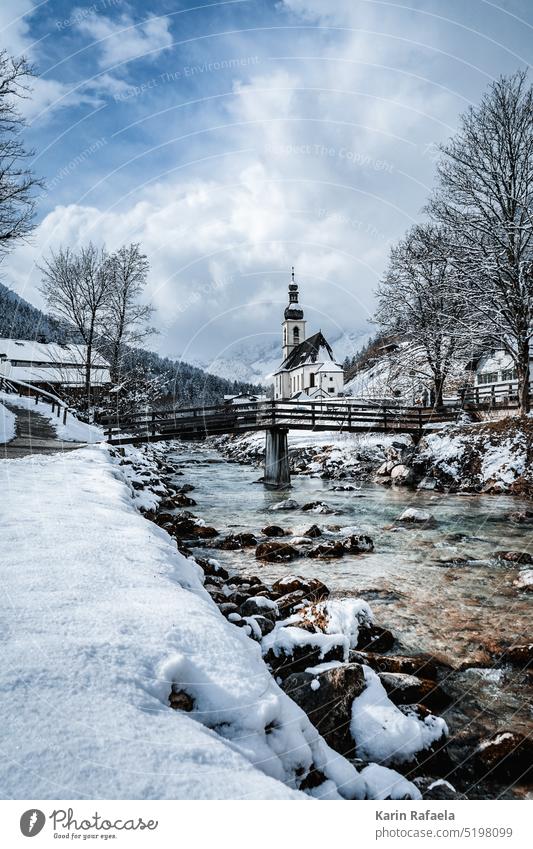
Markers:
236,139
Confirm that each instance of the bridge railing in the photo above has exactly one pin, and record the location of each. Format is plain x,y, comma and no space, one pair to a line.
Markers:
309,415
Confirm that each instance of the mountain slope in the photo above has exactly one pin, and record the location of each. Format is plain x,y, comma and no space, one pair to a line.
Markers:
254,362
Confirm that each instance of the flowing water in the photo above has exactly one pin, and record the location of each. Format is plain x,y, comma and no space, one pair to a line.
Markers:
451,611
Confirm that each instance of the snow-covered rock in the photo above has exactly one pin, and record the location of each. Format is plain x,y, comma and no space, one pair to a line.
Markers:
415,514
386,734
286,504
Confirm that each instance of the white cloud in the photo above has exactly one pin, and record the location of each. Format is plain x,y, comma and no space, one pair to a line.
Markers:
15,25
334,168
318,188
121,39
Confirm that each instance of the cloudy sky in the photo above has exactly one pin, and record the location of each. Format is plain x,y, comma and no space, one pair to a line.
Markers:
235,139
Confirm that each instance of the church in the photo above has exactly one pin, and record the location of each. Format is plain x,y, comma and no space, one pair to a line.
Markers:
309,369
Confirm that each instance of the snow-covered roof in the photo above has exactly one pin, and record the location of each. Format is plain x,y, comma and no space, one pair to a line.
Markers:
243,398
312,350
311,394
36,353
49,362
495,360
329,366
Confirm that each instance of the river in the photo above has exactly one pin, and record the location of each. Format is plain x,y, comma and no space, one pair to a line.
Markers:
451,611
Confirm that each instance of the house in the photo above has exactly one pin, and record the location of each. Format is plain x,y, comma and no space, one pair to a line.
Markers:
49,365
495,374
243,398
309,369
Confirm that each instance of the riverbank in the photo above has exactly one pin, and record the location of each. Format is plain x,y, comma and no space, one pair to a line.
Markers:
471,457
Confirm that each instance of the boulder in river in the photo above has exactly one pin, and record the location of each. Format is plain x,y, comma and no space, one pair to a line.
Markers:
317,507
354,544
236,542
313,532
327,698
403,688
521,557
327,549
295,649
401,475
286,504
374,638
414,515
227,607
524,580
290,602
275,552
273,531
313,588
421,665
438,789
520,517
520,655
265,625
213,568
186,525
507,754
358,544
260,606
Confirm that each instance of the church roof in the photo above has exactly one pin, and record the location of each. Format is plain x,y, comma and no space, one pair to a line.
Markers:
314,349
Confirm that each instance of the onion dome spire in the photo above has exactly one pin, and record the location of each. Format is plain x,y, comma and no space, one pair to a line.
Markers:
293,311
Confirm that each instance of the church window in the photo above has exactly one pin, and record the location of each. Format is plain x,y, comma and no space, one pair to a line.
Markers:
296,335
312,379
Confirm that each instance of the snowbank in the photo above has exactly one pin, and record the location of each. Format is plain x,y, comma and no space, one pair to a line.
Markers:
101,617
7,425
493,457
331,455
72,431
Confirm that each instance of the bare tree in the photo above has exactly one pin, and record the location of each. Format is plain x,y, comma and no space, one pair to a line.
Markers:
76,287
17,181
126,320
485,199
417,299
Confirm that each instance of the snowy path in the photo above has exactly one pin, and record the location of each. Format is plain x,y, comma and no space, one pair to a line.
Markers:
36,432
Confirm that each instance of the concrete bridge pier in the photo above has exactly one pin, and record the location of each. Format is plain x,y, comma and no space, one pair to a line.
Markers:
277,458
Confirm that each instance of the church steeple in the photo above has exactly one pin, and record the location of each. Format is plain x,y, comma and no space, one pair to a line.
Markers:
294,310
294,324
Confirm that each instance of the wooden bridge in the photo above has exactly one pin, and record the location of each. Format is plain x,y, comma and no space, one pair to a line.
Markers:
276,418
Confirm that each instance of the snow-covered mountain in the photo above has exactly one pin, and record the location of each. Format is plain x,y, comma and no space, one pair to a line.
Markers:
253,362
